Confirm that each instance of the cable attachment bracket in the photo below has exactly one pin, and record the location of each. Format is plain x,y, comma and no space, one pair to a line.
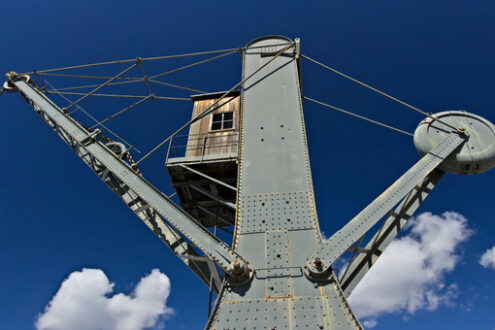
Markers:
13,76
297,50
91,138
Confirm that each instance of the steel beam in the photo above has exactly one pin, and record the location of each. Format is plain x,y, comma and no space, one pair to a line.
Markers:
226,185
88,147
391,227
211,195
320,261
217,216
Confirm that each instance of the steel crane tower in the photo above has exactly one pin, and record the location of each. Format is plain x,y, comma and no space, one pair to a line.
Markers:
278,273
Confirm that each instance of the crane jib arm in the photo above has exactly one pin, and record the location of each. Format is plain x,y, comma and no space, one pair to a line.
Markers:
214,249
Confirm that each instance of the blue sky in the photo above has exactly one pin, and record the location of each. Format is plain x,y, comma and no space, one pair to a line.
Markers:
57,218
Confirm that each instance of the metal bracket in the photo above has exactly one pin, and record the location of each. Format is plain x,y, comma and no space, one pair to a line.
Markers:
297,51
12,76
90,138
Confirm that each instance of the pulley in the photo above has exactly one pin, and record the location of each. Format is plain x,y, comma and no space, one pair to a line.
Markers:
476,155
117,148
13,76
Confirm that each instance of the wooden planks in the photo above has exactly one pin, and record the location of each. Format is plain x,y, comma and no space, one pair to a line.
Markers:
202,141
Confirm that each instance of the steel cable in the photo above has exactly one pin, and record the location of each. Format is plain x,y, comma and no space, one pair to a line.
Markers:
131,80
377,91
133,60
358,116
213,106
94,119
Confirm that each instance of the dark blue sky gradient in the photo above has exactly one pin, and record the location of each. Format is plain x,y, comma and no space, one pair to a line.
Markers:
56,217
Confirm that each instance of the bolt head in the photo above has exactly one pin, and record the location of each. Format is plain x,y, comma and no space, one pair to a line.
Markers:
237,267
317,262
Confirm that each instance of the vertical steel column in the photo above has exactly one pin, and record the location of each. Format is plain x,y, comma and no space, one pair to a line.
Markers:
277,226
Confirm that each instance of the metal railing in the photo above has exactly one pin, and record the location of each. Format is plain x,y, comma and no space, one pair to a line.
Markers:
199,145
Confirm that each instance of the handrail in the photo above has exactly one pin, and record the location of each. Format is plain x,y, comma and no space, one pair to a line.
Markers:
206,142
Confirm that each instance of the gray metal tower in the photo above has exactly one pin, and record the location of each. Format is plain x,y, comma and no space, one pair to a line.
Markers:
278,272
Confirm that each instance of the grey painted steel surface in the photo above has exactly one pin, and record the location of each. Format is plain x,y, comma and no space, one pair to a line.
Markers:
277,226
476,155
391,227
339,242
216,250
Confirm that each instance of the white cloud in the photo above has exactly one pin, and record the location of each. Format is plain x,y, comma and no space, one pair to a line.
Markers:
410,273
487,260
84,302
324,237
369,324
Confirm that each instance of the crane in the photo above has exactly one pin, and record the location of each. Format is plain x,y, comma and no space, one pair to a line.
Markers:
278,272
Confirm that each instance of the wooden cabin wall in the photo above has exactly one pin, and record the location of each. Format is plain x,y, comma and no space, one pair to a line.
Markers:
216,142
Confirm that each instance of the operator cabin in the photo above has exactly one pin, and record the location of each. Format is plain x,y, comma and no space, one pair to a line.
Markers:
199,162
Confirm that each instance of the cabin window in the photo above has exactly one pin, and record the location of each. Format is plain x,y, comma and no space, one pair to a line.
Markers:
220,121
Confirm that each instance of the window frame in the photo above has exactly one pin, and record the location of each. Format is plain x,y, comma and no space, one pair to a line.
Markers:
222,121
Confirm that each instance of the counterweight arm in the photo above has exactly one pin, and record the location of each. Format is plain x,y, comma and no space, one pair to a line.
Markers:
139,195
322,259
393,224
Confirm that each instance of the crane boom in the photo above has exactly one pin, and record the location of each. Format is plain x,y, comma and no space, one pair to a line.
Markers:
140,196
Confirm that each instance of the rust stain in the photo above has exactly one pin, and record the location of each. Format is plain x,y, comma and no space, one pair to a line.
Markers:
322,289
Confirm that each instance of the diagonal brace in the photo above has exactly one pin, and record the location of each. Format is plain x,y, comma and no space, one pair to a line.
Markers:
226,185
213,196
391,227
182,249
320,261
216,250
